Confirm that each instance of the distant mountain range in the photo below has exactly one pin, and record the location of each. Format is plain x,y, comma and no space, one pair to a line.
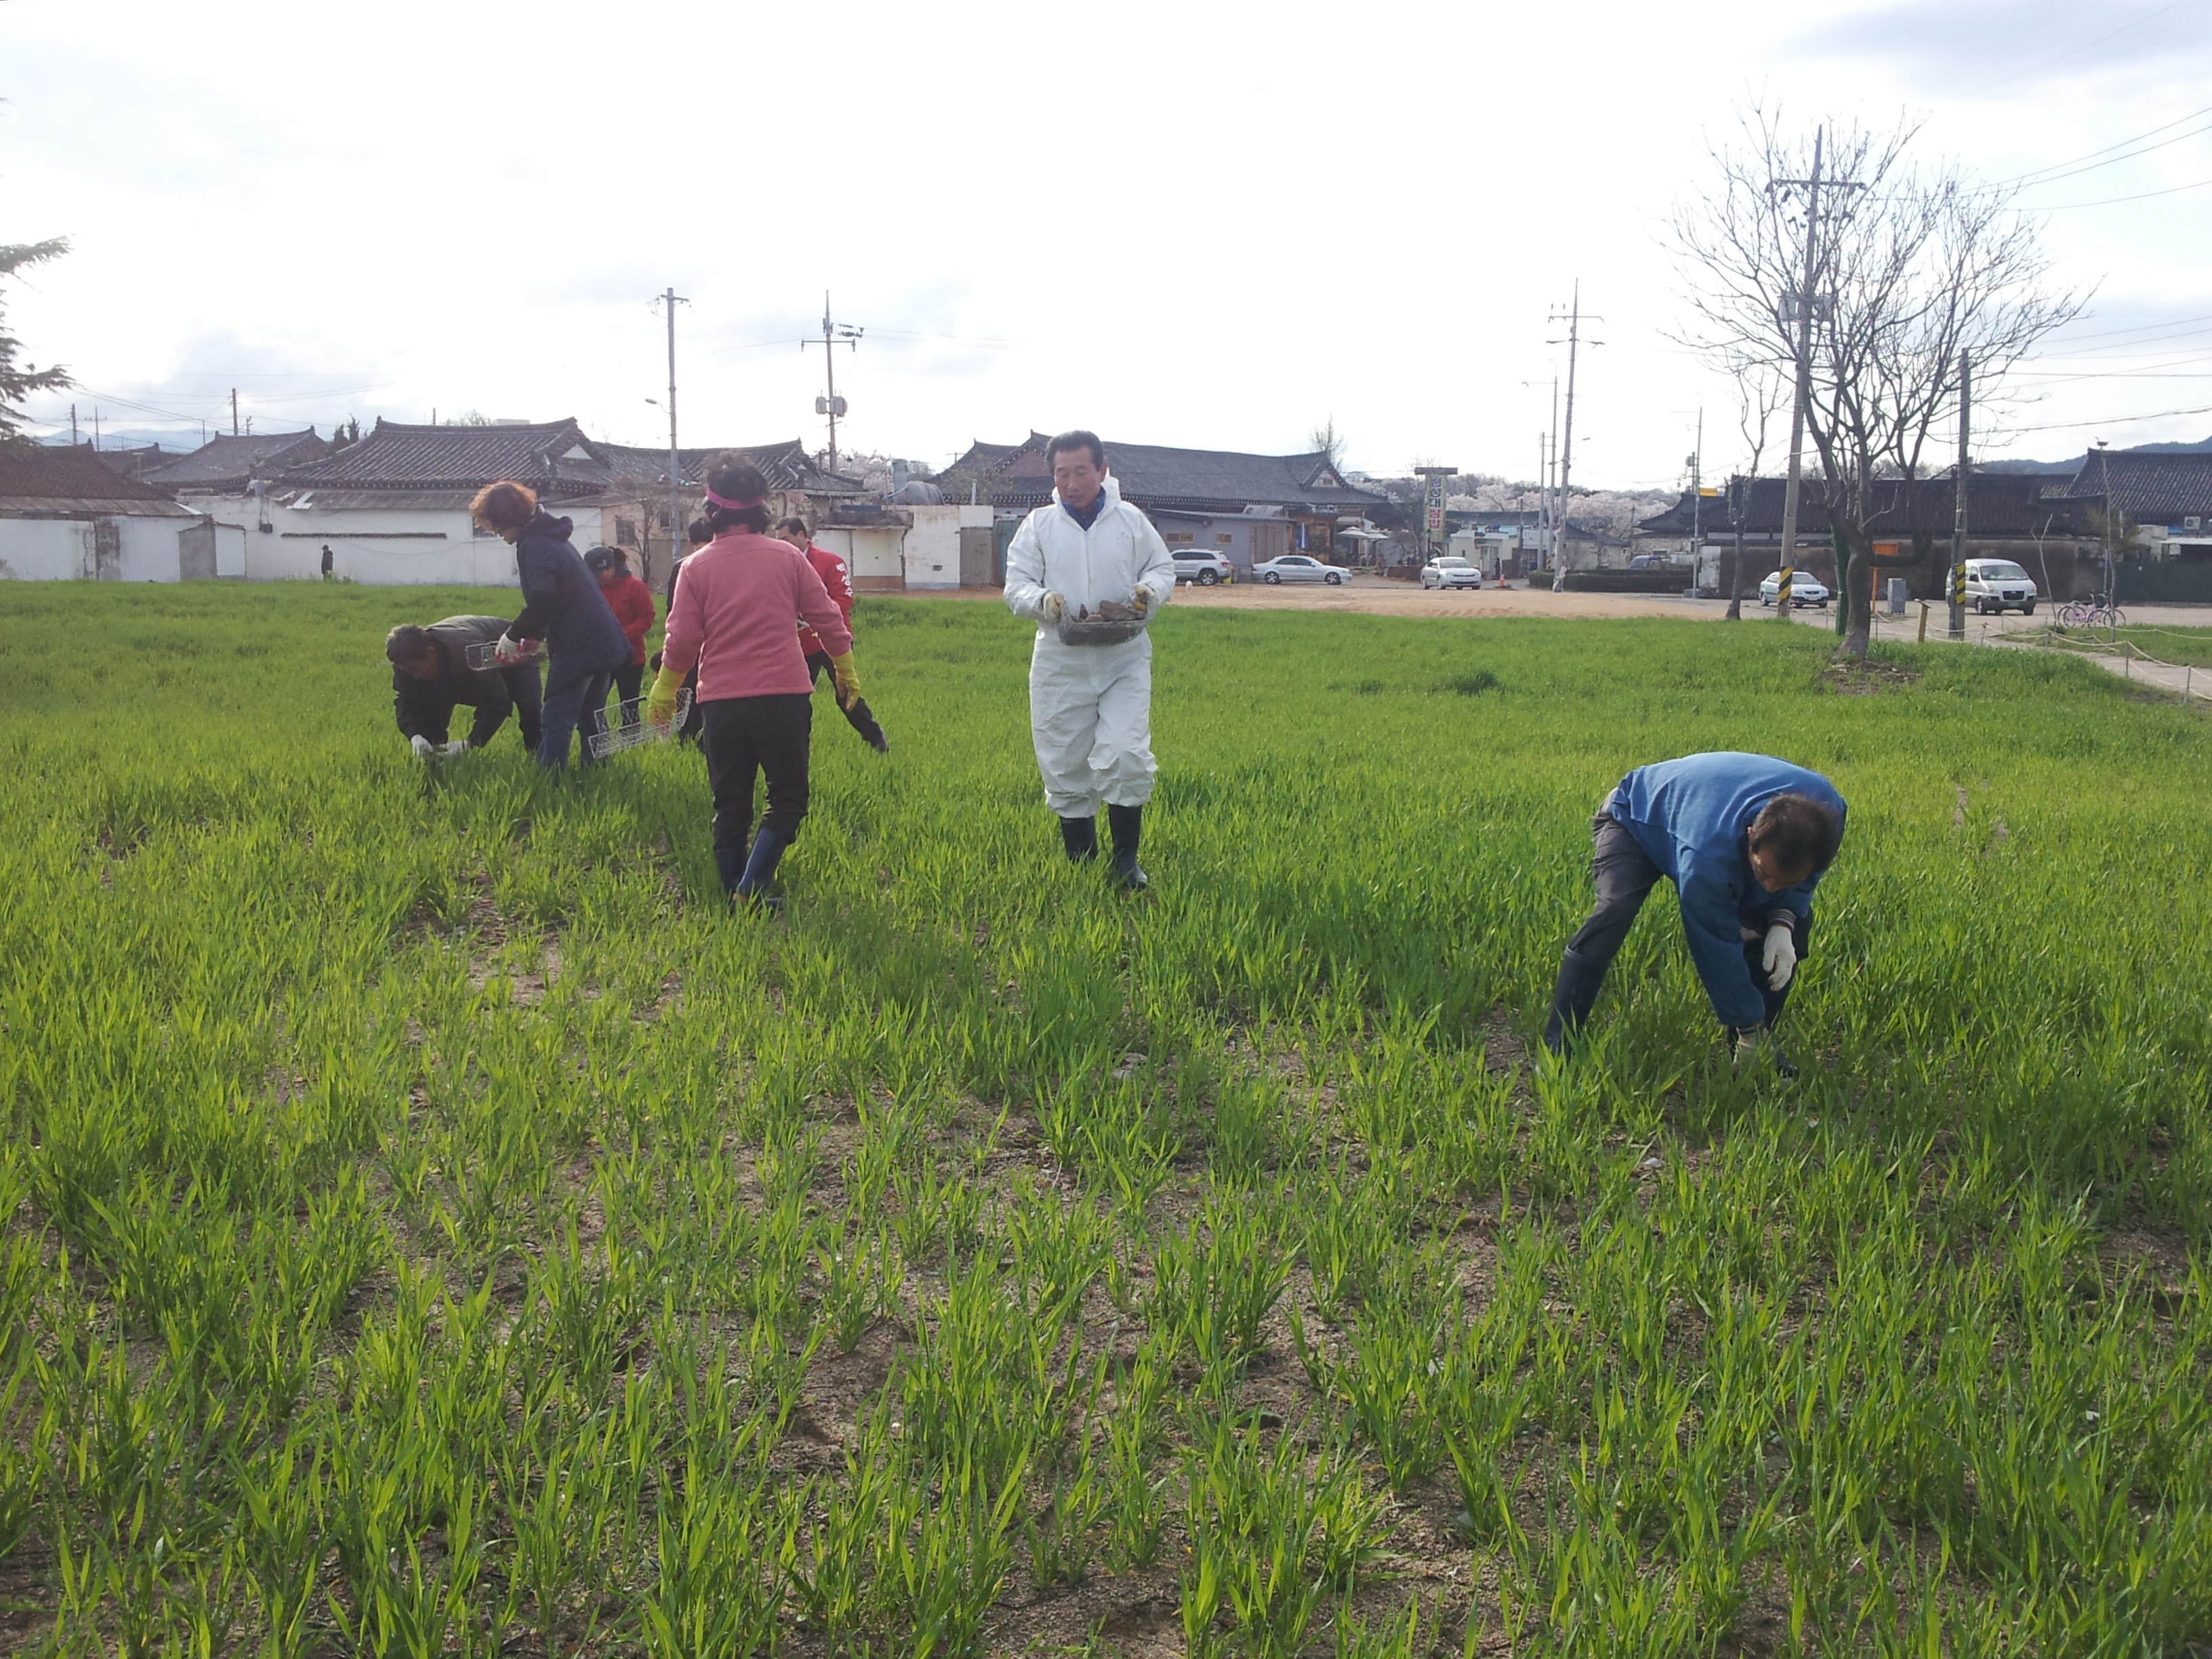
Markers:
2068,469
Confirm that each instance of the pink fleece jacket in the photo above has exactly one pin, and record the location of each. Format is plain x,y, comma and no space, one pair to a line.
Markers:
736,601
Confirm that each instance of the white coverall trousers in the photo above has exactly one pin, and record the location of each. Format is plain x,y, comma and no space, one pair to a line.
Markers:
1090,716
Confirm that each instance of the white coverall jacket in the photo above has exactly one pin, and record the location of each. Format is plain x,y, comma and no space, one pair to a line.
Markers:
1091,706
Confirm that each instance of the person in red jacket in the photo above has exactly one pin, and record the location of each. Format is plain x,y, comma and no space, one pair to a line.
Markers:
631,601
830,567
734,621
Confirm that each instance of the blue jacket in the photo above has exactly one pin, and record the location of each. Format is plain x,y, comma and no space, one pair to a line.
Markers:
562,604
1690,817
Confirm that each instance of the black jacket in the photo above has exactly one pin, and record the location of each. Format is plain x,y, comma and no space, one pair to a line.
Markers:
424,707
562,604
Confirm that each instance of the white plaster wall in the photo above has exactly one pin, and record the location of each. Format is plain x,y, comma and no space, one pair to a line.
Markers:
44,549
442,549
230,551
149,550
931,557
870,555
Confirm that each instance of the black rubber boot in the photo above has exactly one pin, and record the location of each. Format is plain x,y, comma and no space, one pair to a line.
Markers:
1573,995
730,861
1080,837
1126,825
760,868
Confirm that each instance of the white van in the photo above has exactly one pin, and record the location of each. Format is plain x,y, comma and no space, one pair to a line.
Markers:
1999,586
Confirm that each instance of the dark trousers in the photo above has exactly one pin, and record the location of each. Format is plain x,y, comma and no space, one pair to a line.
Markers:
627,678
857,717
1625,875
574,697
743,736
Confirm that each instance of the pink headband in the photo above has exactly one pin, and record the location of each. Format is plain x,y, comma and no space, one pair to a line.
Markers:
724,500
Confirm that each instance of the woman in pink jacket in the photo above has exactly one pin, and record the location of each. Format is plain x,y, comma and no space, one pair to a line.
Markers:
732,618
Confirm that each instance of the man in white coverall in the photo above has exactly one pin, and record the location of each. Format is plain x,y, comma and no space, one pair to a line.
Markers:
1090,555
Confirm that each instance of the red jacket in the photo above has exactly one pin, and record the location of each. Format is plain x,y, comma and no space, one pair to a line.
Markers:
732,619
830,567
631,601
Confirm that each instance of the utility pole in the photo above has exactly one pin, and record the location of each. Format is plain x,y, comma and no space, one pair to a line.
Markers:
1574,321
1543,494
95,429
1800,309
72,426
671,299
1697,499
2111,595
833,334
1958,571
233,411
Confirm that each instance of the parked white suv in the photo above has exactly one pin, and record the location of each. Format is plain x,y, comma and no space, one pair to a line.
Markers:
1999,586
1196,565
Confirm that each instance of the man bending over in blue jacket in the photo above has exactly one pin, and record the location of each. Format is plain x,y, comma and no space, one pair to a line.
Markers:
1745,839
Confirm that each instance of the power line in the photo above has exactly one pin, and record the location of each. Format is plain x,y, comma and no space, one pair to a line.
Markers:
2082,164
2114,201
2113,420
2073,54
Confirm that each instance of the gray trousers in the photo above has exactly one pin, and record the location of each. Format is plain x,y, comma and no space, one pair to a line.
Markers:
1625,875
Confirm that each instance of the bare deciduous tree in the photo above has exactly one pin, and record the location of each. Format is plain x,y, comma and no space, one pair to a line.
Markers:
1759,392
1910,268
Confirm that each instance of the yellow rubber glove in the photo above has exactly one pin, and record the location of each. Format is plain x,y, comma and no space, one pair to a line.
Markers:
1142,603
660,701
848,679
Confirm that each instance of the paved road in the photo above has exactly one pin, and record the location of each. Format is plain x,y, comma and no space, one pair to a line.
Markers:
1366,594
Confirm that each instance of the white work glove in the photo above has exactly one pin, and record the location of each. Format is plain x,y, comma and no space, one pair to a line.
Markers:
458,746
1052,607
507,651
422,746
1779,958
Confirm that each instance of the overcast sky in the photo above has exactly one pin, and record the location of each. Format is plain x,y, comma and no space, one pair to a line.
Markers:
1199,224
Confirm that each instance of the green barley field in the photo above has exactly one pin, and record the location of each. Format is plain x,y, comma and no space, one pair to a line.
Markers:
436,1226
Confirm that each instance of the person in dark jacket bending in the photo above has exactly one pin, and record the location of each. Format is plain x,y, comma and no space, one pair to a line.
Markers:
562,606
431,675
1745,839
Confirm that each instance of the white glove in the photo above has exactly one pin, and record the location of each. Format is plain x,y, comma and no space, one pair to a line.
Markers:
507,651
422,746
458,746
1779,959
1052,607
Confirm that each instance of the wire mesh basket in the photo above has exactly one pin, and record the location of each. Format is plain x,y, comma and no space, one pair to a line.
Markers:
616,739
1112,625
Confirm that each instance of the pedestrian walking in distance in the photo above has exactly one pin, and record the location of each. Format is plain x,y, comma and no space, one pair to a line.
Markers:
1745,839
330,562
431,678
631,601
838,581
733,620
1090,571
562,606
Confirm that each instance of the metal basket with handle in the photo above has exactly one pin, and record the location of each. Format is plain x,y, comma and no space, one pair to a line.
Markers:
617,738
1111,625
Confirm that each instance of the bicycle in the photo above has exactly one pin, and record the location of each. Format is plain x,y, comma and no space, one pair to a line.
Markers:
2098,611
